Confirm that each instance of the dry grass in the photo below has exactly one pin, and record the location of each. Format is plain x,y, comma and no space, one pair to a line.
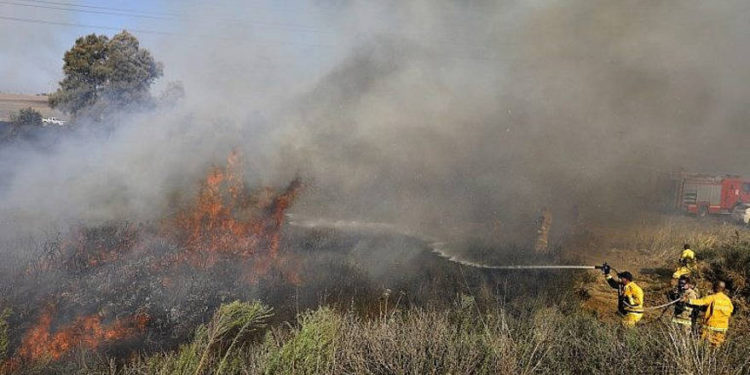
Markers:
660,238
543,340
650,248
546,334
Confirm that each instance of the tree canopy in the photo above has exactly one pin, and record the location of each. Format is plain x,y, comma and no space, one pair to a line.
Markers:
101,73
26,117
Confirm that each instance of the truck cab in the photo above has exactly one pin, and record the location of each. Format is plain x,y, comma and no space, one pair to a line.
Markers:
736,193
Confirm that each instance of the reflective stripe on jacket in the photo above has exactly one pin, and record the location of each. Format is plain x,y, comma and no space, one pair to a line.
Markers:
682,310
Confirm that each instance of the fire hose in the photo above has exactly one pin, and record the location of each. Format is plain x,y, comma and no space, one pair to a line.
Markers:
437,249
553,266
662,305
542,267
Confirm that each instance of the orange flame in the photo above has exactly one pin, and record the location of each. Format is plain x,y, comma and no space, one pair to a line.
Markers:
85,332
228,219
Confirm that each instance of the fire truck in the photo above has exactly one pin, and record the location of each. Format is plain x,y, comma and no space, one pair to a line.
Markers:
707,195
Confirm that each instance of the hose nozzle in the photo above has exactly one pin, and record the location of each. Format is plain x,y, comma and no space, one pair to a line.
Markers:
604,267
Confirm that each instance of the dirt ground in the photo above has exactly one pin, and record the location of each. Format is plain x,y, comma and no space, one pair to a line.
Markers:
649,250
10,103
651,273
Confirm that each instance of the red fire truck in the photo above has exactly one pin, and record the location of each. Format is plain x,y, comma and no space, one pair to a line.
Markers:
704,195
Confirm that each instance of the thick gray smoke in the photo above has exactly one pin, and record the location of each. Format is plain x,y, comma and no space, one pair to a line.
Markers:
437,114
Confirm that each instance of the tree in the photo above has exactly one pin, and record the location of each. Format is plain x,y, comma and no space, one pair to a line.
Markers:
24,122
103,74
26,117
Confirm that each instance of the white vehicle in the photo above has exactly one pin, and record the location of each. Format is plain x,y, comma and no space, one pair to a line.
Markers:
53,121
742,214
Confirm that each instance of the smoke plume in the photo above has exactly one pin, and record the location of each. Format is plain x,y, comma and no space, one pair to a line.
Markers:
435,114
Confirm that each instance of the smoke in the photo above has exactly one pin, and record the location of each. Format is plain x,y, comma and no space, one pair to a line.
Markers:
30,55
562,105
435,114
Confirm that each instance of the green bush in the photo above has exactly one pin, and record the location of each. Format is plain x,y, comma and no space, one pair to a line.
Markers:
729,262
311,348
26,117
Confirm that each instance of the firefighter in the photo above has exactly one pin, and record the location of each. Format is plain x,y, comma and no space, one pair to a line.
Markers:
718,308
629,296
687,262
544,222
684,315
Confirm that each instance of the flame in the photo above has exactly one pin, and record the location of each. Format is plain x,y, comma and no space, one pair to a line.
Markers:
85,332
229,219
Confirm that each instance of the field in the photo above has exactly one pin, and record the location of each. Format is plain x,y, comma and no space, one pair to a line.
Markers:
10,103
446,319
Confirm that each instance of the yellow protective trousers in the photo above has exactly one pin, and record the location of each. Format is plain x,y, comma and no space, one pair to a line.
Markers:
630,319
715,338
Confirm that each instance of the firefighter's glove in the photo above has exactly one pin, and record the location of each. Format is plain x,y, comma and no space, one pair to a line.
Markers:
674,295
606,268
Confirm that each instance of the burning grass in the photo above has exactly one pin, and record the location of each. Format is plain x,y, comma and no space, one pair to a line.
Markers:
85,332
150,284
228,218
391,305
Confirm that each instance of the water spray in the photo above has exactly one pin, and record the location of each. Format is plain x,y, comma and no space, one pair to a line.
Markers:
439,248
436,246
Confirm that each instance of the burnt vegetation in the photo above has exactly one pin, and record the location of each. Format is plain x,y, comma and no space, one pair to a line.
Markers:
120,287
220,280
418,314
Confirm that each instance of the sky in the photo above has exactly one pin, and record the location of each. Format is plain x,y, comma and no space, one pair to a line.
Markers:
34,34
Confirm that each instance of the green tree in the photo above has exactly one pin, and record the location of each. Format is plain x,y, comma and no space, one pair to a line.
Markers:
102,73
26,117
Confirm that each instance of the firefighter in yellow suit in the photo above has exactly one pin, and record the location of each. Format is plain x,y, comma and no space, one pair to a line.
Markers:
684,315
629,296
687,262
718,309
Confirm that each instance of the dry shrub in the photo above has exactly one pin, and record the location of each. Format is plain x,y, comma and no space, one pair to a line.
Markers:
686,355
663,236
4,338
525,339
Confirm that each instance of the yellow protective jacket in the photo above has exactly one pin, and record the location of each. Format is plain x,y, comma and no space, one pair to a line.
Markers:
687,257
718,310
629,297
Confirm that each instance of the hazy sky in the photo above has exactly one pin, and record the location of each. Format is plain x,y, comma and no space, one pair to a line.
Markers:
34,34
